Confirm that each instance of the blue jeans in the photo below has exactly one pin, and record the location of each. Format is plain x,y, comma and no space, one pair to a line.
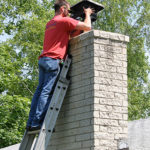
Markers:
48,71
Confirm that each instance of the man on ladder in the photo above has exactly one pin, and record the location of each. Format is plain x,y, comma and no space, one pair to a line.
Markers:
57,33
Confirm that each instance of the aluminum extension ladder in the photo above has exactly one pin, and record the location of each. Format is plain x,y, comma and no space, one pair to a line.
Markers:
43,139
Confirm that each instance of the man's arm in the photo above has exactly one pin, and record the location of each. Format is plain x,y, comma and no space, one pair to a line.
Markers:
83,26
86,25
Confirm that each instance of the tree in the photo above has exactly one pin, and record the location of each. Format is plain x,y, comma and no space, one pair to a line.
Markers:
132,18
13,115
25,20
18,69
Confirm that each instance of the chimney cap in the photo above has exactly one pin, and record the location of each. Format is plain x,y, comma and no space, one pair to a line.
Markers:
77,9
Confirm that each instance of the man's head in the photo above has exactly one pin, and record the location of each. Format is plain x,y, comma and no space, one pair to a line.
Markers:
62,7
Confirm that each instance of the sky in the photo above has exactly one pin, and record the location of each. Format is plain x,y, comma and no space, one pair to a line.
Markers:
4,37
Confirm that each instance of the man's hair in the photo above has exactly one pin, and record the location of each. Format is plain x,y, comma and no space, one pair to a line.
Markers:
59,3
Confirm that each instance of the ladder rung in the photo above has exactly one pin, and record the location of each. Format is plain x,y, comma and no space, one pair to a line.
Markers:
33,132
63,80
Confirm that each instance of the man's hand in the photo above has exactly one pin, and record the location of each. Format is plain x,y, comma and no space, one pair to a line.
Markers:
88,11
86,25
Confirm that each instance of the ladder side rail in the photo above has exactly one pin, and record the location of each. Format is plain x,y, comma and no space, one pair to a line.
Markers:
27,141
44,137
57,110
30,141
49,114
66,66
24,141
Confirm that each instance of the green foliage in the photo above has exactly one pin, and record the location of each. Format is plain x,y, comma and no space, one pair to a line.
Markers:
13,116
25,21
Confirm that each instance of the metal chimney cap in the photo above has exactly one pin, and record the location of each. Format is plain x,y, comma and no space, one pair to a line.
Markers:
98,7
78,12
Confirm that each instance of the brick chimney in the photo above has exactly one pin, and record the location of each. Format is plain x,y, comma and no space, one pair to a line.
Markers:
94,115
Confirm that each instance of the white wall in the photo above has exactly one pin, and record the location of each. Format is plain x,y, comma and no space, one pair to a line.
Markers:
139,134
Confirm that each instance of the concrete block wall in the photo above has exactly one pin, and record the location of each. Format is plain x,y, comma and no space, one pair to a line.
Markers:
94,112
139,134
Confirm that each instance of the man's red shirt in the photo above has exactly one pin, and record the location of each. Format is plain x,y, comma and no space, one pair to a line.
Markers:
57,36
